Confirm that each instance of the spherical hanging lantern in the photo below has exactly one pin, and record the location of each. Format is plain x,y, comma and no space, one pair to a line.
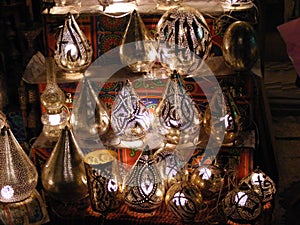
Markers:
184,39
242,205
261,183
184,200
210,180
240,49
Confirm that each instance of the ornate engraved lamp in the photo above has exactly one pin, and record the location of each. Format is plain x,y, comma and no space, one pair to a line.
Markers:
184,200
184,39
177,113
104,181
261,184
143,188
242,205
209,179
130,118
230,122
73,53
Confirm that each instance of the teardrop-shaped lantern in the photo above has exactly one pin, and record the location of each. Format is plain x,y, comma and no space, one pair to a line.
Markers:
18,174
184,39
144,189
130,118
73,53
137,49
89,115
261,184
177,113
228,127
63,175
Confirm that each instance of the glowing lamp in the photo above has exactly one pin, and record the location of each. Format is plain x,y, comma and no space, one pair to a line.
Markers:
261,184
19,175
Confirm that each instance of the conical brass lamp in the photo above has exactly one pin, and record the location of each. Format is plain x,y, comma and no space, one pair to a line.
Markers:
63,175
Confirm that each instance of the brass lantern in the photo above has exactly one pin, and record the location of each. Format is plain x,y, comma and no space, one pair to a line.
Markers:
73,53
209,179
242,205
144,188
184,39
63,175
261,184
184,200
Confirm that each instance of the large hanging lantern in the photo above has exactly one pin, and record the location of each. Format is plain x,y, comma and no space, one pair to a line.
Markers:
184,39
261,184
73,53
63,175
18,174
242,205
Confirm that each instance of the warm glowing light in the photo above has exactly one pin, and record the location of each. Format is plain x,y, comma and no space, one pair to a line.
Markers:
171,171
147,186
257,178
54,119
226,118
205,172
72,50
112,185
241,198
7,192
179,199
